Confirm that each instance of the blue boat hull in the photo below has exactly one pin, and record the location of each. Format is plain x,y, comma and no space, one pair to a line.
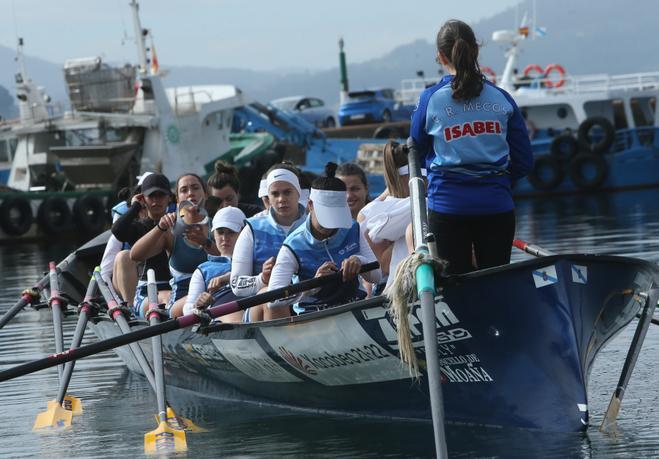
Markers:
516,345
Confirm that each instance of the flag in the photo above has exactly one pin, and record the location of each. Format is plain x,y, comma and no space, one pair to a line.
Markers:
154,60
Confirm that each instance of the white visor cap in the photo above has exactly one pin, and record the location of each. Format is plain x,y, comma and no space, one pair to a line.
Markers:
283,175
331,208
263,188
304,197
229,217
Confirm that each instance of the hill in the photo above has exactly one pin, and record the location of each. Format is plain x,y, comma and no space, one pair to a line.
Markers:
581,37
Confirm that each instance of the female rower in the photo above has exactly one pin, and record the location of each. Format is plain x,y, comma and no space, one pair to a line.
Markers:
356,184
474,140
385,219
328,241
224,191
188,248
210,281
258,244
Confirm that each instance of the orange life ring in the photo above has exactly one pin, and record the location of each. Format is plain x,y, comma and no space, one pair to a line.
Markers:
491,76
533,68
554,68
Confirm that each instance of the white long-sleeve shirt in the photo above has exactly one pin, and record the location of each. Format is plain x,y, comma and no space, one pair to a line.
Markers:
287,266
387,220
112,248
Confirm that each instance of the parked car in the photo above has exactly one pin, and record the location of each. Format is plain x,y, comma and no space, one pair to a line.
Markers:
369,106
311,109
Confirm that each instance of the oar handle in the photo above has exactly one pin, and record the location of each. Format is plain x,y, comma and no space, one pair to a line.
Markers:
267,297
532,249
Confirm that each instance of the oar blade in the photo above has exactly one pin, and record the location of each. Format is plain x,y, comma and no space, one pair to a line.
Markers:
179,422
164,439
54,417
609,422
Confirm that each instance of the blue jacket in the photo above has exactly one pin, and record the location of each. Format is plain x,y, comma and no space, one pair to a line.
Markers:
214,267
474,150
311,253
268,237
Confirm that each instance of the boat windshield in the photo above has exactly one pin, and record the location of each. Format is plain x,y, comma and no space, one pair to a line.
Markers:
285,104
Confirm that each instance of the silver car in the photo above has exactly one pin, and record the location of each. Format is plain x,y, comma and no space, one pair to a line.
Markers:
311,109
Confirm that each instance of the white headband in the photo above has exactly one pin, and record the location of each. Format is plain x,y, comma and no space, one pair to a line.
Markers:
263,188
283,175
405,170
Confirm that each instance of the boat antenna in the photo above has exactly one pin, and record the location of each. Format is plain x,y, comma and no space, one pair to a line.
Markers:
343,94
140,35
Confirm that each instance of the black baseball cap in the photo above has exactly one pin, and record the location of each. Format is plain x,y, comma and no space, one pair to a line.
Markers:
154,183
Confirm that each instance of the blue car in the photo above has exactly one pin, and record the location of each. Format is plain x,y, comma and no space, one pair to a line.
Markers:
369,106
311,109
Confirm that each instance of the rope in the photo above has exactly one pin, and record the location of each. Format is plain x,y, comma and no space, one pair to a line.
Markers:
401,293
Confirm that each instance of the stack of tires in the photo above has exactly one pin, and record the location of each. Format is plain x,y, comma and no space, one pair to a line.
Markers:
582,158
87,217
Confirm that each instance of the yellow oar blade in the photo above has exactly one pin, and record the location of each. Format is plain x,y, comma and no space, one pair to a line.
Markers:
164,439
179,422
55,416
71,403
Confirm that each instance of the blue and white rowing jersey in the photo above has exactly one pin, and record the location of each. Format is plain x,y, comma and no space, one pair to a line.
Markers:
474,149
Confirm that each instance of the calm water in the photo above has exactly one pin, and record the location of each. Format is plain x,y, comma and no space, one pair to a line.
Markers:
119,407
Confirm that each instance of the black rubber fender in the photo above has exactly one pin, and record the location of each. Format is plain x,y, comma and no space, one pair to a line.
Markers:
587,139
584,179
89,215
16,216
54,215
547,173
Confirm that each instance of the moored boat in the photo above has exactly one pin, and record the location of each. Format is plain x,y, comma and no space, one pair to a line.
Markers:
515,345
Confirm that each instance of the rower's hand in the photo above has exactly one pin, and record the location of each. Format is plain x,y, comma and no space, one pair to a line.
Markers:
267,269
196,234
326,268
350,267
204,301
139,197
167,221
218,282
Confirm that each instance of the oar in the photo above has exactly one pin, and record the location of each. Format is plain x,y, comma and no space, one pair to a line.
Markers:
609,421
118,313
164,438
171,325
425,279
29,296
61,409
56,304
538,251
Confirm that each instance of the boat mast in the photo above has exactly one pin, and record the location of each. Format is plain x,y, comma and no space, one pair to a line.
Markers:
343,94
513,38
139,38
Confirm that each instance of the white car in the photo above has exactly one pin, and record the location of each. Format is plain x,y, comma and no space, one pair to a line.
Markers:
311,109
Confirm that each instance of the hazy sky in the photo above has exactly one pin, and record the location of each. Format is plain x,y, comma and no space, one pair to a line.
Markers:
252,34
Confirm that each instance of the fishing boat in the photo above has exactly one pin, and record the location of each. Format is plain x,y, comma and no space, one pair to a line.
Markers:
515,345
62,169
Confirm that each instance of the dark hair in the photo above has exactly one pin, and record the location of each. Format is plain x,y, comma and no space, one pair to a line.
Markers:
352,169
284,165
395,156
306,179
457,42
329,182
224,175
191,174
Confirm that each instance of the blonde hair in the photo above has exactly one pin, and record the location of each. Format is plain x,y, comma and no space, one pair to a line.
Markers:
395,156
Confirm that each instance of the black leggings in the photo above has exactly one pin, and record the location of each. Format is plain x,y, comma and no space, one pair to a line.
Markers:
490,237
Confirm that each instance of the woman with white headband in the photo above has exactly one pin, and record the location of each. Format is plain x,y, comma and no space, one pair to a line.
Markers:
259,242
385,220
328,241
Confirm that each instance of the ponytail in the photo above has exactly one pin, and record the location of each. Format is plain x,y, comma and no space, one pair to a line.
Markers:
457,42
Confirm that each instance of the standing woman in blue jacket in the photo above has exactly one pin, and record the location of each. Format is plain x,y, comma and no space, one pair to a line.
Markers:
475,145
